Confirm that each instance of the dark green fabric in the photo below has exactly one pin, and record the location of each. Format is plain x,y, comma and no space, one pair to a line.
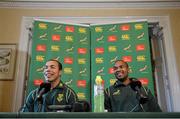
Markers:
60,95
121,98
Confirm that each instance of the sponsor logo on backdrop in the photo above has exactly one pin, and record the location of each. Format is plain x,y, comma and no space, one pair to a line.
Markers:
112,38
55,48
68,60
82,51
144,81
41,48
140,36
57,28
40,58
127,58
70,50
56,37
42,26
67,70
82,30
40,69
113,28
69,38
99,60
111,70
83,40
125,27
143,68
112,48
81,83
138,26
99,50
141,58
100,71
43,36
98,29
37,82
81,61
56,58
69,82
82,72
127,48
140,47
69,28
81,95
113,59
125,37
100,39
112,81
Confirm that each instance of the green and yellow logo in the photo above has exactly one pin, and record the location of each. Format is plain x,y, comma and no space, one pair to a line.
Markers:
82,30
69,38
112,49
55,48
82,61
98,29
40,58
60,97
67,70
141,58
99,60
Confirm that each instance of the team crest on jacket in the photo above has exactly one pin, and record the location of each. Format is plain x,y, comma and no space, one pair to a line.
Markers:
116,92
60,97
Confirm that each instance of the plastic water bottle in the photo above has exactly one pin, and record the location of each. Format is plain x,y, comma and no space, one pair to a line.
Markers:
99,95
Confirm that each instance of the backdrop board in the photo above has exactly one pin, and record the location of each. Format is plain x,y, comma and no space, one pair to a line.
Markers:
68,43
128,41
90,50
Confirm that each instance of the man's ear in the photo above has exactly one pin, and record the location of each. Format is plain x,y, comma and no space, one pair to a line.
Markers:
129,70
60,72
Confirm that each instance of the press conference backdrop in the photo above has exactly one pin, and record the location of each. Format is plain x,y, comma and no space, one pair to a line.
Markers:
70,44
90,50
126,41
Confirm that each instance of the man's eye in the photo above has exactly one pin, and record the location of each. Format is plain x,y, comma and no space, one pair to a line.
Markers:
115,68
53,67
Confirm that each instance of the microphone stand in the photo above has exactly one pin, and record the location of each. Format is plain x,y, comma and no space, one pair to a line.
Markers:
142,99
40,101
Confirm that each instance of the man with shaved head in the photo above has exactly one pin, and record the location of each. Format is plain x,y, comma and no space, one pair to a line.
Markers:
127,94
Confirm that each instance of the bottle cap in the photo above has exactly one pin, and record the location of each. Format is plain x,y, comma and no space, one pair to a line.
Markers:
98,80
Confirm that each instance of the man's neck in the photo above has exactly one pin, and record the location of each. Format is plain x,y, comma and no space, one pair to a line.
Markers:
126,82
55,83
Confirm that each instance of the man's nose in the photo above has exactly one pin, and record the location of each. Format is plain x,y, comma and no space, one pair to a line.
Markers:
119,68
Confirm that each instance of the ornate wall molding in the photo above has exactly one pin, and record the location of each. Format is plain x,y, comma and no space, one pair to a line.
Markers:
62,4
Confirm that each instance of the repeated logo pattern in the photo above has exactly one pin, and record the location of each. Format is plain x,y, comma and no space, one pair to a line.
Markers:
76,45
70,45
126,41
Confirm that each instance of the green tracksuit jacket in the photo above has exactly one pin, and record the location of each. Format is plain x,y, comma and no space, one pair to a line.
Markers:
60,95
121,98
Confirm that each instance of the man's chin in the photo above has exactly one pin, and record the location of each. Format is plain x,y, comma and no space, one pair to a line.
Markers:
121,78
49,80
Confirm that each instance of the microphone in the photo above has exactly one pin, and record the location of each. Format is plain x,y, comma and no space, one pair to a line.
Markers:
136,85
44,88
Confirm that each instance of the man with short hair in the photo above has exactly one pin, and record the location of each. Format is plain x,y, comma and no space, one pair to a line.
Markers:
127,94
57,94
